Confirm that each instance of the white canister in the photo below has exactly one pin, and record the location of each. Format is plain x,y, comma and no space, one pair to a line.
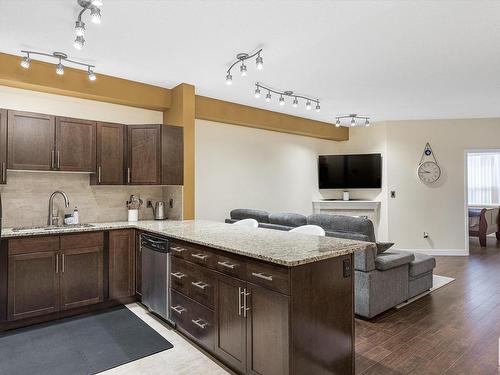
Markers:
345,196
133,215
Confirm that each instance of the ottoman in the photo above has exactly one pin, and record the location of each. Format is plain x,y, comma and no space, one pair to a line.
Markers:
420,274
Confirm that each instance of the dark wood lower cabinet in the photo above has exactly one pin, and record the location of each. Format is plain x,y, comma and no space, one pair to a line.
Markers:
81,277
33,285
122,260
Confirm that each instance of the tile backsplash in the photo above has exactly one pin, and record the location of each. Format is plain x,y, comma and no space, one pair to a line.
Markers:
25,198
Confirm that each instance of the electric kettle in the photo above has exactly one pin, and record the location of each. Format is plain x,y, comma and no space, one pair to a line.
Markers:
159,210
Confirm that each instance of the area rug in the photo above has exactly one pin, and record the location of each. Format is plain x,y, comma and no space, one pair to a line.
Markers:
437,282
86,344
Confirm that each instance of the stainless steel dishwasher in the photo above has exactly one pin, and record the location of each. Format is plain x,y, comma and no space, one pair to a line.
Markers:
155,274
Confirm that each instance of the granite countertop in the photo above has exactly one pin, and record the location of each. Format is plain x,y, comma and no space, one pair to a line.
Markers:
284,248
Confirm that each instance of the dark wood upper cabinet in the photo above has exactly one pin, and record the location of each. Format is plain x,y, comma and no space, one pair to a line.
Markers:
75,145
109,154
172,155
3,146
143,154
121,263
31,139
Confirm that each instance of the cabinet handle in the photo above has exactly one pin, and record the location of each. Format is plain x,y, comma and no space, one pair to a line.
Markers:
200,323
128,175
200,284
245,308
178,249
178,309
239,300
4,172
260,275
227,265
58,160
178,275
99,174
200,256
53,159
57,263
62,263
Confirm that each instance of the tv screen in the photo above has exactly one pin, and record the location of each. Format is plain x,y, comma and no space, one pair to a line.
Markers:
362,171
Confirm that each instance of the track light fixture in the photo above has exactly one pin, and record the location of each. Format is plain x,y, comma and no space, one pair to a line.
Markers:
60,56
241,58
95,16
291,94
353,117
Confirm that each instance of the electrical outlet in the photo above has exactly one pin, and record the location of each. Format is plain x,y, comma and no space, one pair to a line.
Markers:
393,194
426,235
171,203
148,204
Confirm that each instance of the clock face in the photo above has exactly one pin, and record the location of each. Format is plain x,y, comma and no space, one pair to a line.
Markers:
429,172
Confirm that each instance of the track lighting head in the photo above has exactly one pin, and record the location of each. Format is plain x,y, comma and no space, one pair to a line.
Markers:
268,96
91,74
95,15
337,123
318,107
259,61
308,105
79,28
295,103
243,69
97,3
282,100
60,68
353,121
25,62
229,79
257,92
79,42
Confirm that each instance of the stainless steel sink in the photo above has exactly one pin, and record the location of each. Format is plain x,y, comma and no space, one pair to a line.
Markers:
51,228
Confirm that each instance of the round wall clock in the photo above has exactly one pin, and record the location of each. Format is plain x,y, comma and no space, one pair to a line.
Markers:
428,170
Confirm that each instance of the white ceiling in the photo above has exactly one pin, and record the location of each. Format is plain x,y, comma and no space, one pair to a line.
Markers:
388,59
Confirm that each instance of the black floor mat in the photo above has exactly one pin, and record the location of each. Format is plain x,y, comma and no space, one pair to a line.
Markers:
86,344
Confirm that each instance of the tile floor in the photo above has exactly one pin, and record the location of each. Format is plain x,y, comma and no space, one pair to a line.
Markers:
182,359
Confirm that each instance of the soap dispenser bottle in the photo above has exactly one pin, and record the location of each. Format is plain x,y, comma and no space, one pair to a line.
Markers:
76,216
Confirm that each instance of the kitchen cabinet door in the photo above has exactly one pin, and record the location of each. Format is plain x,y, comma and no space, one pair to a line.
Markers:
110,154
172,154
30,141
81,277
3,146
121,263
144,161
231,336
33,284
267,332
75,145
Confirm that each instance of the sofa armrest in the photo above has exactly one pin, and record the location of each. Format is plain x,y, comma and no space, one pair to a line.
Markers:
364,260
392,259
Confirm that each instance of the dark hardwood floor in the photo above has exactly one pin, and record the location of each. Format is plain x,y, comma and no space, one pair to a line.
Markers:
454,330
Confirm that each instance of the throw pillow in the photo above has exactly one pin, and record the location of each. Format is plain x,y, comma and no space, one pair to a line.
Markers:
383,246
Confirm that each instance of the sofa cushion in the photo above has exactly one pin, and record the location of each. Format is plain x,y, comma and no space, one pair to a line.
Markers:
347,235
421,264
392,259
274,226
247,213
344,224
384,246
288,219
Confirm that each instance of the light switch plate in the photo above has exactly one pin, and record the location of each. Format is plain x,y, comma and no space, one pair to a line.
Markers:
393,194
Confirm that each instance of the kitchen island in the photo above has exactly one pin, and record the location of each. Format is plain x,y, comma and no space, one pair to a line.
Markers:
259,300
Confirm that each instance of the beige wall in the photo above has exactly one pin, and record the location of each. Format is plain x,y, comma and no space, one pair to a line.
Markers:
25,197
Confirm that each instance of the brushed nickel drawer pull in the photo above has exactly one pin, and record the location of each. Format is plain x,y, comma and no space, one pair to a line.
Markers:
200,323
178,309
53,159
178,249
128,176
200,256
245,308
227,265
178,275
260,275
4,172
57,263
63,267
58,159
99,174
200,284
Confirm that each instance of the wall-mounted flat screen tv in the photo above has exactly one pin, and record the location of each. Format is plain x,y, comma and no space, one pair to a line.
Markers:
363,171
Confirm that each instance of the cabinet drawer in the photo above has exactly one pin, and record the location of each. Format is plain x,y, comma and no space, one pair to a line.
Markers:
269,276
83,240
230,266
180,250
203,257
180,275
193,319
33,245
202,286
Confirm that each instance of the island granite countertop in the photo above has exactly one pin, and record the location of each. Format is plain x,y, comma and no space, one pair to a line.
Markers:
280,247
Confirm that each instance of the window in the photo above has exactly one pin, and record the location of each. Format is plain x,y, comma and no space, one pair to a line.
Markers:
483,175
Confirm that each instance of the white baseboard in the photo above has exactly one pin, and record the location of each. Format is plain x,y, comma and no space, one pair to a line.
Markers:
439,252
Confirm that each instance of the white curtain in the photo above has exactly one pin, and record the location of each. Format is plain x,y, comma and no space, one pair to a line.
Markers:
483,175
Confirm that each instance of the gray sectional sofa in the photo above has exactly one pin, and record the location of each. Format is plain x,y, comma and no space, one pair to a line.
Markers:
384,277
